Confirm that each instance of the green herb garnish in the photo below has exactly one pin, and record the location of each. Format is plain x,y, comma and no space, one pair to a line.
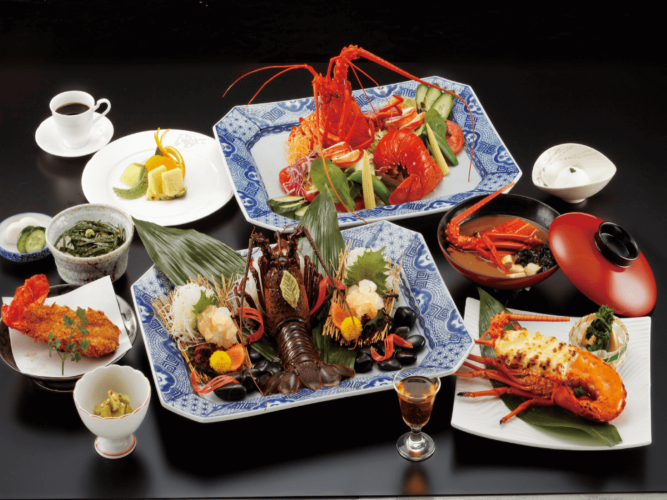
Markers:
202,304
572,170
601,328
91,238
371,265
71,348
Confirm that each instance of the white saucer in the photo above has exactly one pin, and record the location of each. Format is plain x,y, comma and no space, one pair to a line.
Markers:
48,139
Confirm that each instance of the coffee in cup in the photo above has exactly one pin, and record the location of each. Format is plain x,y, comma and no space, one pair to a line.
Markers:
74,116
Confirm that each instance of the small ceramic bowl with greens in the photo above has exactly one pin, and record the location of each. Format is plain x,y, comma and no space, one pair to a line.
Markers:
89,242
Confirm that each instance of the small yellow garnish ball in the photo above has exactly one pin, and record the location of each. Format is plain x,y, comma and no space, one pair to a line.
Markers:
220,361
350,328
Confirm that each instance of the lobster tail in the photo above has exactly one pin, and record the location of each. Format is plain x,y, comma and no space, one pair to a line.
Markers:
605,392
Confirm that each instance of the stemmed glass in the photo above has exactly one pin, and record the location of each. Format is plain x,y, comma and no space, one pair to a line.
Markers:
416,388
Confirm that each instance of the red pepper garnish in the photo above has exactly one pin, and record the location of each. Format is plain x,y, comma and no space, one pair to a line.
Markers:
322,294
212,385
252,313
389,347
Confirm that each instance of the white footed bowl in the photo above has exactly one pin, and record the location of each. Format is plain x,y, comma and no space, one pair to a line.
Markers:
115,438
83,270
599,168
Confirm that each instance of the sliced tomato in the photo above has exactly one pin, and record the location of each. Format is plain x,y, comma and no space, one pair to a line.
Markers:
455,137
358,205
284,178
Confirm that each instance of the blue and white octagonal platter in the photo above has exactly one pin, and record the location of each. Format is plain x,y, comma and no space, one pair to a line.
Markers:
252,138
447,340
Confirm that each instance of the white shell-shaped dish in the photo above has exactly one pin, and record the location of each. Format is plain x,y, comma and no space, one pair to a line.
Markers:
599,168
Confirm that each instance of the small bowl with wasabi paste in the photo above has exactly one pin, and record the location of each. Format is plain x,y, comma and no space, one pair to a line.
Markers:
122,388
572,172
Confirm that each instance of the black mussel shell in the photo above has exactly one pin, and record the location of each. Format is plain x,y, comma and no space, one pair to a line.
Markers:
402,331
404,316
249,384
231,392
363,363
418,342
389,365
406,357
254,355
364,350
261,365
273,368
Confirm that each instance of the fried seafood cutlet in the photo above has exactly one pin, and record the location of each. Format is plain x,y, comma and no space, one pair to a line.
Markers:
40,320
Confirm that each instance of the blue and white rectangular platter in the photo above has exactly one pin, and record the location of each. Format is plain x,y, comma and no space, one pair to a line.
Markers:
422,288
252,138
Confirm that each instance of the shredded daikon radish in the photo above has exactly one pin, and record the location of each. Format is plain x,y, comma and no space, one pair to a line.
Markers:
182,318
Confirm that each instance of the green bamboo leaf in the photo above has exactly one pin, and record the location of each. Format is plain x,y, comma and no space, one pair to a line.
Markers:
340,184
559,421
181,254
290,289
321,220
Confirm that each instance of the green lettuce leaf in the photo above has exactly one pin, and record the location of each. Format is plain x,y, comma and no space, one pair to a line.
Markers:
558,420
338,178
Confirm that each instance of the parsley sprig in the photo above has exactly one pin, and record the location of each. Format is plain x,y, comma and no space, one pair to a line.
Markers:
71,346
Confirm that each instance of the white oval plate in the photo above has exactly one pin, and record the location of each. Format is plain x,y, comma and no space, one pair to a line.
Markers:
205,177
481,416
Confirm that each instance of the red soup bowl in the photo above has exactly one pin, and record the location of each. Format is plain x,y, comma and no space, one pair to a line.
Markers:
507,204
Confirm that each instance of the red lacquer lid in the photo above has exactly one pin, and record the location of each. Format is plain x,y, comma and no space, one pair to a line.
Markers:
602,260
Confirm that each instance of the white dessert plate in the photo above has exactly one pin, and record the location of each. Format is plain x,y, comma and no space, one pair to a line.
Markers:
205,177
48,139
481,416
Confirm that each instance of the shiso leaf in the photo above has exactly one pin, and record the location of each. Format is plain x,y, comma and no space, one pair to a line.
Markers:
321,181
290,289
181,254
203,302
559,420
371,265
321,220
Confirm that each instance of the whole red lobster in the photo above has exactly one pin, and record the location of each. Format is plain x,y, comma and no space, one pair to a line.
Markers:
291,325
337,117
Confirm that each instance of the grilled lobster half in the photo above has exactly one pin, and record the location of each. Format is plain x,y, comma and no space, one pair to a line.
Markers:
546,371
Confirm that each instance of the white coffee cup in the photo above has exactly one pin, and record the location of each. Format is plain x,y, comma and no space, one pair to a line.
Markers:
75,129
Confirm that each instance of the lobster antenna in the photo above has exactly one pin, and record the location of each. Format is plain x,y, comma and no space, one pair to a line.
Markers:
269,67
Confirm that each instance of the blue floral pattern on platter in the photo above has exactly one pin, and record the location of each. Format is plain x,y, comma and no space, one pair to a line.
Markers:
422,288
244,126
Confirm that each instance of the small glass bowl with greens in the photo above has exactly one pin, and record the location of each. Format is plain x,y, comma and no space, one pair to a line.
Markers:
603,334
89,242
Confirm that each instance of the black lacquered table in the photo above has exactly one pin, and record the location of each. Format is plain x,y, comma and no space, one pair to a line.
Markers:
344,447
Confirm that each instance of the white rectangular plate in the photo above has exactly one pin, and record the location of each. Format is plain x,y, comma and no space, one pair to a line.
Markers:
481,416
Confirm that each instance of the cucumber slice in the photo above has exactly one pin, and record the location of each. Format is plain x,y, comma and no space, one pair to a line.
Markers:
301,212
35,240
23,237
281,200
431,96
444,104
285,209
419,96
